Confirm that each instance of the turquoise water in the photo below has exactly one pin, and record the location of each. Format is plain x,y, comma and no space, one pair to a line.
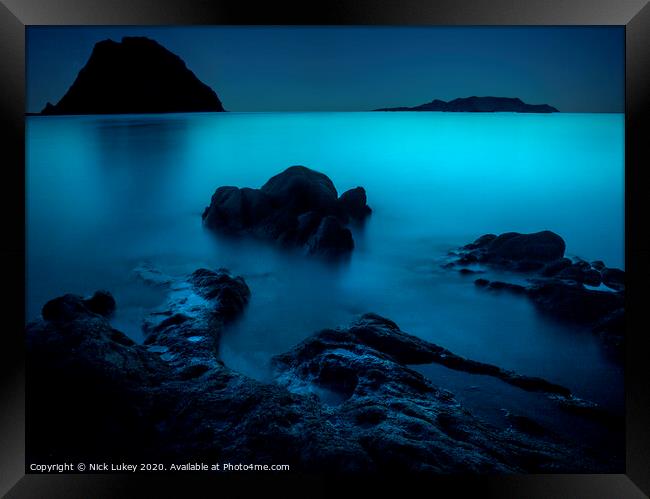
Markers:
105,194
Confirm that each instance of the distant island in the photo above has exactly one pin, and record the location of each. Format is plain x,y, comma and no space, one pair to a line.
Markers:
478,105
136,75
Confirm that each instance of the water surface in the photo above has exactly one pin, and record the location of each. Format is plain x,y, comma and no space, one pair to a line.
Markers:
105,194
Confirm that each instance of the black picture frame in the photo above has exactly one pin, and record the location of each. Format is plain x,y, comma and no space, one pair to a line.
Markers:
15,15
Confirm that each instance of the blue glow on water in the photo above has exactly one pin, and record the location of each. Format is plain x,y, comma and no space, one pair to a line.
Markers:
105,194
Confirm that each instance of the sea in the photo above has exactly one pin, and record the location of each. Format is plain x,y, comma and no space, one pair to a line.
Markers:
106,195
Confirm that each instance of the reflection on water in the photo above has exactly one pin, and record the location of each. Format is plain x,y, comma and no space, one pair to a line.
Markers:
105,194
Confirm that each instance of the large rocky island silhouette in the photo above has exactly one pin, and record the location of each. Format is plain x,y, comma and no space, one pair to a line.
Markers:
478,105
136,75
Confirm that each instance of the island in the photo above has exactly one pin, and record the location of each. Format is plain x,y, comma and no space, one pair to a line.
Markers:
478,105
136,75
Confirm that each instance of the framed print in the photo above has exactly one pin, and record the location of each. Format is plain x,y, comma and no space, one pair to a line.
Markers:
299,247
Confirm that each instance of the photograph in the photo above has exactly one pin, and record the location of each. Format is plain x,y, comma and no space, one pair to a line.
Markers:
325,249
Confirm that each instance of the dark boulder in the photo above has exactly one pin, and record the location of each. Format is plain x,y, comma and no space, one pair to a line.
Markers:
544,246
299,189
353,204
481,242
581,274
68,307
554,267
613,278
331,239
233,210
298,207
102,303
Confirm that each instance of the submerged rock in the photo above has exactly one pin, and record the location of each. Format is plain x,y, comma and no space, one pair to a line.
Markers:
298,207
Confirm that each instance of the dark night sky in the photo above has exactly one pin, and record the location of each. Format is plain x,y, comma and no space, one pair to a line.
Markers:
361,68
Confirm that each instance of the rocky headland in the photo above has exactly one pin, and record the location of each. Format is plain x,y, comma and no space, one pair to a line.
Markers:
299,207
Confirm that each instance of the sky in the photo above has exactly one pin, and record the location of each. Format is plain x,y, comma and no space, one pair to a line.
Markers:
348,68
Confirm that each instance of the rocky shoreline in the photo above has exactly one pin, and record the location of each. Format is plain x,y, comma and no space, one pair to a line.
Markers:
343,400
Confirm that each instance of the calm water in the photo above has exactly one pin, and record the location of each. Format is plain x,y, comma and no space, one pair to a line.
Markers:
105,194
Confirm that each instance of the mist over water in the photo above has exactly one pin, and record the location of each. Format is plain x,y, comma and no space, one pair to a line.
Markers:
105,194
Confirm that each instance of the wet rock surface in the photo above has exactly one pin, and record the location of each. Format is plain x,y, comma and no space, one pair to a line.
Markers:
299,207
95,394
559,287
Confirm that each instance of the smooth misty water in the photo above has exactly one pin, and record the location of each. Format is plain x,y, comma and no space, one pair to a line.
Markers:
105,194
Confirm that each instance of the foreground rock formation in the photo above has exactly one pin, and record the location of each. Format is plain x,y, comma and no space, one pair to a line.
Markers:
343,400
136,75
298,207
558,286
479,105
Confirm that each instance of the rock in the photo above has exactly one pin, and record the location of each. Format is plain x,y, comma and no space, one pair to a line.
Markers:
233,209
467,259
69,306
555,267
384,336
613,278
299,189
136,75
581,274
102,303
528,266
148,274
64,308
353,204
331,239
231,293
481,242
97,396
298,207
404,419
544,246
598,264
479,105
573,302
557,285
